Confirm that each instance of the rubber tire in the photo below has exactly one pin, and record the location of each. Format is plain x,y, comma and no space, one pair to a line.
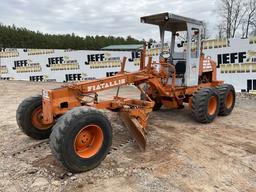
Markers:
158,104
223,92
65,131
200,101
24,120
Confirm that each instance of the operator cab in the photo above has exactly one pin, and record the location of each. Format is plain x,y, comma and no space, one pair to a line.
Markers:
185,44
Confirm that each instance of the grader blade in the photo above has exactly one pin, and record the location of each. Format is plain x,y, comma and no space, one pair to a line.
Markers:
135,129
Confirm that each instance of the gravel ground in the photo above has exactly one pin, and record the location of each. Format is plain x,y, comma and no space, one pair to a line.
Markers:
182,155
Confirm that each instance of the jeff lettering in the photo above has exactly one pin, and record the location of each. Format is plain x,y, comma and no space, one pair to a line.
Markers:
55,60
231,58
94,57
73,77
20,63
135,55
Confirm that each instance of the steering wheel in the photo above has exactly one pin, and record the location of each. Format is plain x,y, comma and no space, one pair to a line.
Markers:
167,56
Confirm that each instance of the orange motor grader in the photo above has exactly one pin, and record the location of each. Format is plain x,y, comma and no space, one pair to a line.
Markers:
81,135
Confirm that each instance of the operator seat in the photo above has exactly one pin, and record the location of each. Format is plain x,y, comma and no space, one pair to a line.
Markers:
179,60
180,67
181,70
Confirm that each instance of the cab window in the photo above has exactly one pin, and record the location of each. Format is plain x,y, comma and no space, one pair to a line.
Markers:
195,43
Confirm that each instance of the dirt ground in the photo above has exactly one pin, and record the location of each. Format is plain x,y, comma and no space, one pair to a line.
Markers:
182,155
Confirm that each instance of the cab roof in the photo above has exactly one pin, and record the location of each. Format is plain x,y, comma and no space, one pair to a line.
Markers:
169,21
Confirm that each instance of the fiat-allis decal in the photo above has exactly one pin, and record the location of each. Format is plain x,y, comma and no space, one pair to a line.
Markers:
106,85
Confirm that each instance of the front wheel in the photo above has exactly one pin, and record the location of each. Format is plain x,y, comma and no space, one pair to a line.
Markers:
81,139
29,118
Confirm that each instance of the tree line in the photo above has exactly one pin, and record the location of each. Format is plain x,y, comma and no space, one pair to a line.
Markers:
237,18
16,37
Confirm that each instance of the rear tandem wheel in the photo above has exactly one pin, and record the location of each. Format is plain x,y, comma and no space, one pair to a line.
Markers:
227,99
205,105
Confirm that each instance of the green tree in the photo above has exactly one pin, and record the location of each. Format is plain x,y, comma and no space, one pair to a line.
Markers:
17,37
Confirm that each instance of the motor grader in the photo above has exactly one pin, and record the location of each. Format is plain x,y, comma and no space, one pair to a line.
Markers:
81,135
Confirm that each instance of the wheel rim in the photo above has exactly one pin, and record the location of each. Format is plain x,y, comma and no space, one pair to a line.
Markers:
212,105
88,141
37,119
229,100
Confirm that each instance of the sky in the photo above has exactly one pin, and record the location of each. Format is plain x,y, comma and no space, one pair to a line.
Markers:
101,17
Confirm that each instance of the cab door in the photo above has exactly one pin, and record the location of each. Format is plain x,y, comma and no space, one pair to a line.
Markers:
193,54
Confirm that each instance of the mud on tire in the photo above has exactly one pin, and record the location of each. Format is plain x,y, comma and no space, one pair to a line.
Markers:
227,99
81,139
205,105
28,118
